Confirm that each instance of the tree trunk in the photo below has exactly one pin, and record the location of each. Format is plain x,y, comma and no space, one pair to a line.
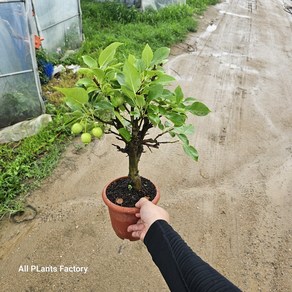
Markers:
134,158
135,149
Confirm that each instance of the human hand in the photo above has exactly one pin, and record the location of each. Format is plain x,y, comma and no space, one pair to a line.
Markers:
148,214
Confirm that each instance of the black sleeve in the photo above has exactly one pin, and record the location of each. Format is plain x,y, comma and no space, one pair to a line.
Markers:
181,268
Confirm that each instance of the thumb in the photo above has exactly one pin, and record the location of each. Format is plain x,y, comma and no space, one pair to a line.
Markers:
141,202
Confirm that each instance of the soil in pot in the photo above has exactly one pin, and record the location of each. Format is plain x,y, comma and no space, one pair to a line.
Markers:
121,192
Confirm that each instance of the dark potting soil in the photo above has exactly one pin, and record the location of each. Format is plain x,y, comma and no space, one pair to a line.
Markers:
121,192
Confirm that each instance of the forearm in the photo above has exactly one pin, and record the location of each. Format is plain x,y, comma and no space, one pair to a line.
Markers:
181,268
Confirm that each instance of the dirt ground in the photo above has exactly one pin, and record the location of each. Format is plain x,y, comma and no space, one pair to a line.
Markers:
233,207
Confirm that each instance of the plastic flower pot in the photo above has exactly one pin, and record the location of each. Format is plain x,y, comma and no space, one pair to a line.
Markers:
121,217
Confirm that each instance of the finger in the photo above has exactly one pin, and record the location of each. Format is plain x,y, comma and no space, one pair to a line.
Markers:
141,202
137,234
136,227
138,215
130,228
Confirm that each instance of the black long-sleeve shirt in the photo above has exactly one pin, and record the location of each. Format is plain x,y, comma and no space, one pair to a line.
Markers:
181,268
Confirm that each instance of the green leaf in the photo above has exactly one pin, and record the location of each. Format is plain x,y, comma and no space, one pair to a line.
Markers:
125,134
166,99
73,117
185,129
183,138
162,110
87,82
104,105
120,78
160,56
140,101
198,109
99,74
150,75
155,91
177,119
179,94
191,151
164,78
86,71
161,126
154,118
73,105
91,73
129,100
140,65
132,77
108,54
120,118
89,61
167,124
147,55
153,108
153,115
189,100
77,94
111,76
132,59
129,93
91,89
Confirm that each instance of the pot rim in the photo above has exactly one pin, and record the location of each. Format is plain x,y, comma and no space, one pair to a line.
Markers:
121,209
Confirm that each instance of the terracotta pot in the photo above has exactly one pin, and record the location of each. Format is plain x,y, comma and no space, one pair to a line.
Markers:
122,217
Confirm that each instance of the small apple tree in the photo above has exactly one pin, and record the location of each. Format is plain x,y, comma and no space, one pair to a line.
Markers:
129,98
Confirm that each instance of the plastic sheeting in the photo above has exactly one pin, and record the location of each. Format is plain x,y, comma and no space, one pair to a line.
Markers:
24,129
19,85
59,23
158,4
149,4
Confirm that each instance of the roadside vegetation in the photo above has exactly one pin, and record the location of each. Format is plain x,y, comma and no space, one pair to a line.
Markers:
24,164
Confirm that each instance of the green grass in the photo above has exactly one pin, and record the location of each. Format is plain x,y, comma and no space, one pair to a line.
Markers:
24,164
106,22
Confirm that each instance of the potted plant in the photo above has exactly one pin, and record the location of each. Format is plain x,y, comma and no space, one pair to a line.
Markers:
127,99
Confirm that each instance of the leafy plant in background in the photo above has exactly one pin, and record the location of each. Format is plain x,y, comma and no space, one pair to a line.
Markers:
45,65
128,99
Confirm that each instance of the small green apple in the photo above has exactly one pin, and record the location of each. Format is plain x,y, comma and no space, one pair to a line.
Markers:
76,128
86,138
97,132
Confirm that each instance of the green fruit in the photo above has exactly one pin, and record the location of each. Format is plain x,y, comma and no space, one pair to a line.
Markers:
97,132
119,101
76,128
86,138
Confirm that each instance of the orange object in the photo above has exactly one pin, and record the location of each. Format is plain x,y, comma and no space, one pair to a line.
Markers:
38,41
122,217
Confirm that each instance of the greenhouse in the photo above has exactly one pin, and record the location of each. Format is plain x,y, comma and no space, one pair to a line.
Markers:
19,87
58,23
23,24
